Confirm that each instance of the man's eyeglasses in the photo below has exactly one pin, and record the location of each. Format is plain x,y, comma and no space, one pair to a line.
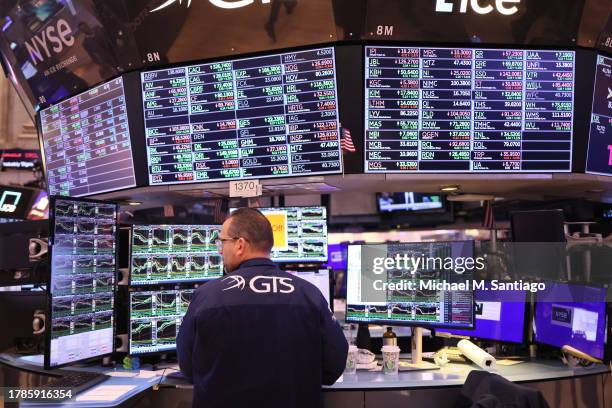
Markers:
219,241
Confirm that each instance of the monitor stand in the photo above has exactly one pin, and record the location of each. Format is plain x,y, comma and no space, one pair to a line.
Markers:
417,362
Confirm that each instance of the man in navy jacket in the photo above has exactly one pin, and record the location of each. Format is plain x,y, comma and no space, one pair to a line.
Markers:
258,337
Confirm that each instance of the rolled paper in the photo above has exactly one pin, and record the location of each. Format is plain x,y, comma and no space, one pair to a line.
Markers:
480,357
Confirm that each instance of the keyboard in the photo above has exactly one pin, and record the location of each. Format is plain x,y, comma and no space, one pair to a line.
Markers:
77,381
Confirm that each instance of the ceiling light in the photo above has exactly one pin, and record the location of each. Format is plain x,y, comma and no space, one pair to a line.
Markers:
449,188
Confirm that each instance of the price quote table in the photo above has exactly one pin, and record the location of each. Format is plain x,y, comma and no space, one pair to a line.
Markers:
260,117
600,136
87,143
462,110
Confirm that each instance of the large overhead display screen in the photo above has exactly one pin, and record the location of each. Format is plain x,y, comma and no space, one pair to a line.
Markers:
86,142
465,109
269,116
599,159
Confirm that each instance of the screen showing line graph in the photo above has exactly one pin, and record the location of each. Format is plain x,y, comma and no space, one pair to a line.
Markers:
174,253
155,318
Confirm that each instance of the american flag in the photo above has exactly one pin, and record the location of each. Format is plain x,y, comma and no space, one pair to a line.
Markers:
218,211
346,143
489,220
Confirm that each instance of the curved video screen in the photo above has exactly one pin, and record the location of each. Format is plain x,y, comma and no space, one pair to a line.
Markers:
468,110
268,116
86,141
599,160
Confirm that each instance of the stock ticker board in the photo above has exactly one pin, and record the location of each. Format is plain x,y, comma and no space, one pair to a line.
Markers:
468,110
599,159
269,116
86,142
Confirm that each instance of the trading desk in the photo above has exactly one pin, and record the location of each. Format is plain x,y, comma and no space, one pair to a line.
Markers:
130,388
561,386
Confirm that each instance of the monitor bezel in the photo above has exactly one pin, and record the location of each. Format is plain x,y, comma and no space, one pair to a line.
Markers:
234,57
583,56
409,323
49,307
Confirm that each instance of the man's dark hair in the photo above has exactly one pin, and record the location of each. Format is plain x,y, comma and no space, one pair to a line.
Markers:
251,224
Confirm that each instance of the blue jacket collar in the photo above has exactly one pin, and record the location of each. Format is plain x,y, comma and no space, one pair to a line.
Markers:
256,262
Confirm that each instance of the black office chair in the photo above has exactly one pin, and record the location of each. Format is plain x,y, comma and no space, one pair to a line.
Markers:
486,390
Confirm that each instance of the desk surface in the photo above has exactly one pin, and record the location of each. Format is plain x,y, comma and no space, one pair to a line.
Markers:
455,375
450,375
131,382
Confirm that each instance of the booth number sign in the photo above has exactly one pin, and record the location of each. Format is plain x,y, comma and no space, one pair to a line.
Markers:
245,188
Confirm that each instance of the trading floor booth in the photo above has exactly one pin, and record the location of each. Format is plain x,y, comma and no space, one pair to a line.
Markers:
440,172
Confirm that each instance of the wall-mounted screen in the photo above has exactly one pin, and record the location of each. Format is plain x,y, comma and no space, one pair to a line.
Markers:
174,253
86,142
268,116
409,201
468,110
599,159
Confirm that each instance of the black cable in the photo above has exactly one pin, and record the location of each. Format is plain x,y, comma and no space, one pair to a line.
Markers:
157,386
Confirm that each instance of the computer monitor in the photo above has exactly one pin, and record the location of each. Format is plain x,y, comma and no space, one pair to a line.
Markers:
408,201
537,226
300,233
321,279
424,304
598,156
81,290
539,252
174,253
571,314
155,318
499,315
86,142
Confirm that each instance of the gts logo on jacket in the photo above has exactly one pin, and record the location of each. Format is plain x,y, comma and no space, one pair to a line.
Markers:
260,284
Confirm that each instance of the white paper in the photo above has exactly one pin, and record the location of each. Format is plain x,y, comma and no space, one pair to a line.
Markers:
105,393
151,374
122,373
509,362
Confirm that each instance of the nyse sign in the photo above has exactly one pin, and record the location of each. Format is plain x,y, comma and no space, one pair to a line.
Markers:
447,6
